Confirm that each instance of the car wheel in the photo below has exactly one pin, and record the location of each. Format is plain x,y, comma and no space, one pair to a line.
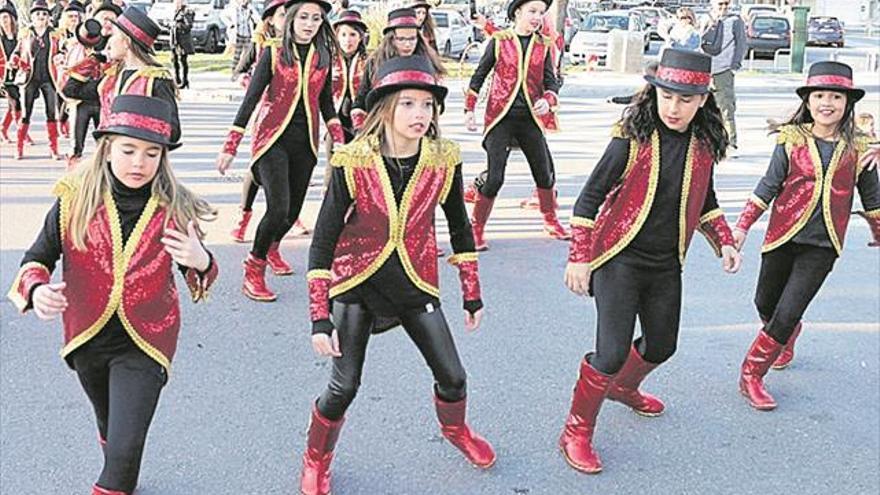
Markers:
212,41
840,45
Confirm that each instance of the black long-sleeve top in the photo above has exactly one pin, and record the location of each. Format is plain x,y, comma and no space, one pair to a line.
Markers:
656,244
8,46
814,232
389,291
263,76
47,250
41,46
487,63
360,100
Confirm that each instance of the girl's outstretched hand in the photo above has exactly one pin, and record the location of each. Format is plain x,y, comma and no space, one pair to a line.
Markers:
224,161
186,248
49,300
326,345
577,278
871,158
472,321
470,121
739,238
731,260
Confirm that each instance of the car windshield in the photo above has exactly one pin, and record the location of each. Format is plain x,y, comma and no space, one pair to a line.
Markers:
441,19
770,24
605,23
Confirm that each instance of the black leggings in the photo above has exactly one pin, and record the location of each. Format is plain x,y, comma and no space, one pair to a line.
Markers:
13,97
249,190
428,330
522,127
284,172
50,99
85,113
622,292
790,277
179,58
124,389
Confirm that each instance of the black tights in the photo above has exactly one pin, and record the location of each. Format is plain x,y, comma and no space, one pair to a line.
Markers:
284,172
624,291
124,390
179,58
13,97
428,330
790,277
50,99
249,190
85,112
521,127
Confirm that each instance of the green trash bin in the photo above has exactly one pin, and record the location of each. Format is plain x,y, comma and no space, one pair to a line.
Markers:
799,37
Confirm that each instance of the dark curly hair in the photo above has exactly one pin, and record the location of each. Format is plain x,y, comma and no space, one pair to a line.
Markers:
640,119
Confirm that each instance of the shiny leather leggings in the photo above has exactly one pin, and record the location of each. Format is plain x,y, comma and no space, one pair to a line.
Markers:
428,330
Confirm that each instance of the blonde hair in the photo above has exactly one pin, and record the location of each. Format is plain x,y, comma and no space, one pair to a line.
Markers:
382,115
182,205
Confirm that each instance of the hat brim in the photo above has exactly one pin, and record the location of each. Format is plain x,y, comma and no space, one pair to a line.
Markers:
111,7
324,5
855,94
40,9
515,5
352,22
88,43
133,38
137,134
6,10
388,29
684,89
377,94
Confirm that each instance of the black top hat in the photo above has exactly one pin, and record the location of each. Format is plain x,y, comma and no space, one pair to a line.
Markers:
515,4
88,33
9,8
141,117
403,73
683,71
108,5
270,7
140,28
414,4
352,18
75,6
835,76
324,5
39,5
401,18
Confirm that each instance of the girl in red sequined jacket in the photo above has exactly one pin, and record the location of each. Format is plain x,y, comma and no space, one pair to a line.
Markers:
120,225
374,255
809,185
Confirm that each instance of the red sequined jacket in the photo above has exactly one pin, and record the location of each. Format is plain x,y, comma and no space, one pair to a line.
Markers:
376,227
347,76
146,81
133,279
807,187
629,199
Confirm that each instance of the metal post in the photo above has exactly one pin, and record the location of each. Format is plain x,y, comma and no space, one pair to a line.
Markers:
799,38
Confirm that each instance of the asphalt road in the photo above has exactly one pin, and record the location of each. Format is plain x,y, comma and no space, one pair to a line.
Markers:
232,419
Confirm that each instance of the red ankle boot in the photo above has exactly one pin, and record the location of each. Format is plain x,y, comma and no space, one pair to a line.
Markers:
787,354
299,229
548,207
19,145
470,194
625,386
576,440
65,129
761,355
243,221
255,280
322,437
4,129
97,490
52,131
454,428
276,262
482,209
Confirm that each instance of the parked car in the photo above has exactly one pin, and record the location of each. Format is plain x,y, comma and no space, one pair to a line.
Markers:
454,32
141,4
825,31
208,32
592,38
765,34
749,12
573,20
653,17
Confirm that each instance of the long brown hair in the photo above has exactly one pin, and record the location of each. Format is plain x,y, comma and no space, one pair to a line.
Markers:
182,205
386,51
14,24
846,128
382,115
429,28
324,40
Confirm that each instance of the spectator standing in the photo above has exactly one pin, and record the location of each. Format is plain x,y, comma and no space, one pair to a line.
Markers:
182,41
244,20
682,33
724,39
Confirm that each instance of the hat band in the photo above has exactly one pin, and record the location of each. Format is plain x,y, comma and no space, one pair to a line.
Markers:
138,121
350,18
402,21
407,76
841,81
683,76
136,31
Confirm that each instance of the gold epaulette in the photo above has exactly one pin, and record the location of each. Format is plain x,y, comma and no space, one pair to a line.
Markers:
155,72
358,153
66,186
444,152
272,42
792,135
861,142
617,130
112,70
504,34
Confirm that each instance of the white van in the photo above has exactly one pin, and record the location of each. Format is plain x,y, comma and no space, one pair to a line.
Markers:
209,32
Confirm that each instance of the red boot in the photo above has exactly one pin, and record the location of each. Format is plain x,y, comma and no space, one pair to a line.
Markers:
97,490
482,209
22,133
548,207
4,129
65,129
243,221
276,262
255,280
625,386
72,162
530,203
322,436
299,228
576,440
787,354
470,194
52,131
454,428
761,355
